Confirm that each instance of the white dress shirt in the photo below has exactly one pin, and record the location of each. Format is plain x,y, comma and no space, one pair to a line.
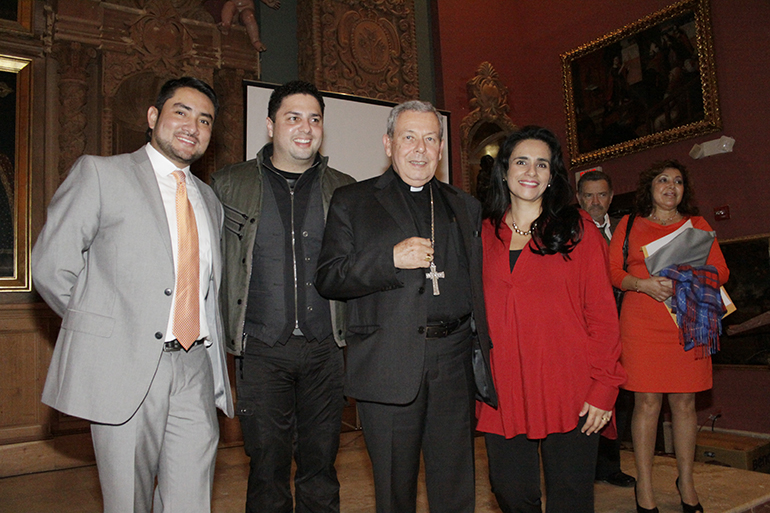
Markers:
605,227
167,184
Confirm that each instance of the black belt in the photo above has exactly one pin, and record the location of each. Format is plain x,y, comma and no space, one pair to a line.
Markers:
445,328
174,345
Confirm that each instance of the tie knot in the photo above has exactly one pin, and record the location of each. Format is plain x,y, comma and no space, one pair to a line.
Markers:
179,175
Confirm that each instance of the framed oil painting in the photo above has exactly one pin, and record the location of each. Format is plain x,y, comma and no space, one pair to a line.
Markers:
15,102
647,84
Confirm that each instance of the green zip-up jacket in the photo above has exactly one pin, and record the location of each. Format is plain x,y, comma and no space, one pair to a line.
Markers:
239,188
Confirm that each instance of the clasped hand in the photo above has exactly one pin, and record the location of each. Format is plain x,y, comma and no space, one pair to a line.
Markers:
412,253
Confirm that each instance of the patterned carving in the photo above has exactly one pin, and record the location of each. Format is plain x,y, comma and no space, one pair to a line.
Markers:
74,60
362,47
488,99
190,9
158,41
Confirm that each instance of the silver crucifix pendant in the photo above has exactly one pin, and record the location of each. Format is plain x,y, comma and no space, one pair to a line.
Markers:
434,276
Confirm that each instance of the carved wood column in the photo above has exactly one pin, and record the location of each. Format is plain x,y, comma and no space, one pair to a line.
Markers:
361,47
73,59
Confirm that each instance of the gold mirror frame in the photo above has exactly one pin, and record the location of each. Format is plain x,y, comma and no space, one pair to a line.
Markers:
627,96
16,182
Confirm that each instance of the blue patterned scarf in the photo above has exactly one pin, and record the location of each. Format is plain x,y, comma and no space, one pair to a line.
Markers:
697,304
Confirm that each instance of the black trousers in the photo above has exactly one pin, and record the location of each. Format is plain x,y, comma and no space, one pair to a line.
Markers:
283,391
439,422
569,460
608,462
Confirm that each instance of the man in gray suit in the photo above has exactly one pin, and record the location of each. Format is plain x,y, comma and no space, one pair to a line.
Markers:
114,260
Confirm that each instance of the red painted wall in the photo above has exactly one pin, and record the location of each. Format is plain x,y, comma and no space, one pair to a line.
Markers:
524,39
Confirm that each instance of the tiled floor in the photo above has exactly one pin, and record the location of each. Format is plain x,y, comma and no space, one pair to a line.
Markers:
721,489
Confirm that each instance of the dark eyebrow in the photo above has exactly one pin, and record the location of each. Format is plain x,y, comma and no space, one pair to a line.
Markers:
180,105
311,115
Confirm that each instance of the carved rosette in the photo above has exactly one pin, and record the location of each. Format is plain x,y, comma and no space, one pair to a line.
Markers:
488,100
74,60
362,47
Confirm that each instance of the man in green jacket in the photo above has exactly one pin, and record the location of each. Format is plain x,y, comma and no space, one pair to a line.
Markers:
286,338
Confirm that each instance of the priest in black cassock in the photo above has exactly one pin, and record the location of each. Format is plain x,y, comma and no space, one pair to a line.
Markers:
404,250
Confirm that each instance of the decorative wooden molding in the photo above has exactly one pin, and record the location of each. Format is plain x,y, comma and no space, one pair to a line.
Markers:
361,47
74,60
488,99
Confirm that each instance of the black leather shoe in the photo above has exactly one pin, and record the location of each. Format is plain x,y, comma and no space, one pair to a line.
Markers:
619,479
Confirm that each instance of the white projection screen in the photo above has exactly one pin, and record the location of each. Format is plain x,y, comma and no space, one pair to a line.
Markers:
353,130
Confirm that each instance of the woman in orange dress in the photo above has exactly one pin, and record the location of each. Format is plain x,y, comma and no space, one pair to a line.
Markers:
652,353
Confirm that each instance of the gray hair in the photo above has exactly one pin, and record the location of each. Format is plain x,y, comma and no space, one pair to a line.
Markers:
415,106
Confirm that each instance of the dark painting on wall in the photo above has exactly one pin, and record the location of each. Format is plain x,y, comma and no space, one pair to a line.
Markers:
749,287
647,84
7,171
9,10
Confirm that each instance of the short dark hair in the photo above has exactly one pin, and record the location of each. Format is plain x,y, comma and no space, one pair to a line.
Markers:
644,189
593,176
168,90
290,89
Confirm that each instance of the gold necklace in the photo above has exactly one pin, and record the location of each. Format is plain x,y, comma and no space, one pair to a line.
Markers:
664,222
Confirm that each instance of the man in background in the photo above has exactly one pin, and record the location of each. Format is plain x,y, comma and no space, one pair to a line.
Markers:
595,195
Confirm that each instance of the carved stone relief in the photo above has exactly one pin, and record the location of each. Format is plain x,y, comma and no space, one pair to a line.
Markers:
486,124
361,47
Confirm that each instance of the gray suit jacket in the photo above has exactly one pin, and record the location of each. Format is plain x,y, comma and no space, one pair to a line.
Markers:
104,263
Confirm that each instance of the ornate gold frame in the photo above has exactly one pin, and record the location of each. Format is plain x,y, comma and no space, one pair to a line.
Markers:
20,280
595,55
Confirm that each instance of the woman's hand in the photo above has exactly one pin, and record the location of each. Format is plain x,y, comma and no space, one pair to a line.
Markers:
596,420
657,288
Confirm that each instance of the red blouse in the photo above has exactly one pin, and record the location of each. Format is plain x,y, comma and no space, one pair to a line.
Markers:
554,329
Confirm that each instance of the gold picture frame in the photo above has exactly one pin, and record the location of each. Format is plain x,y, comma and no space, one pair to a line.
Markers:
15,114
647,84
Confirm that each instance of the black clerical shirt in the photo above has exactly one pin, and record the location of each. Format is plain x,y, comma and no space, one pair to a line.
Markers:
454,300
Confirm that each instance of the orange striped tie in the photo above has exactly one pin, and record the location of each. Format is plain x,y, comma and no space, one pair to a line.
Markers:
187,310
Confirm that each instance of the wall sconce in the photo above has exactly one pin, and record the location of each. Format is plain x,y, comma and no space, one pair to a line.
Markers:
722,145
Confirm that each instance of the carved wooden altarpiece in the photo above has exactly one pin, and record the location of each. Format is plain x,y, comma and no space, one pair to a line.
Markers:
114,55
362,47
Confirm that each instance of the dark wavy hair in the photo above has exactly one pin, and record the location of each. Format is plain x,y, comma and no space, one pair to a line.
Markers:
559,228
644,189
289,89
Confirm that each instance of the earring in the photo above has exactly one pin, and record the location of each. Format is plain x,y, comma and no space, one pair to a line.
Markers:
549,185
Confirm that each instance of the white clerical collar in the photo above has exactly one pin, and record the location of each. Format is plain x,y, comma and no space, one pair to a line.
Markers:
415,189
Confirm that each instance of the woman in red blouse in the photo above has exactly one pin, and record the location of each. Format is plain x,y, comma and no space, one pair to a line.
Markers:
554,326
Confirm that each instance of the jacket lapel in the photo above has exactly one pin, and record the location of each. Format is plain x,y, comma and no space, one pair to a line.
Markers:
393,202
145,176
